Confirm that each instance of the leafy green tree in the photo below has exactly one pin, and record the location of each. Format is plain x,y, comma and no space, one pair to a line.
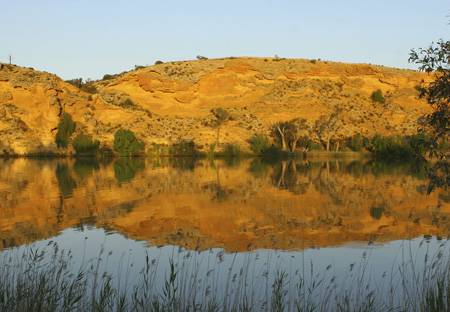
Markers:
259,143
435,60
326,127
66,127
126,143
281,132
355,142
288,134
83,144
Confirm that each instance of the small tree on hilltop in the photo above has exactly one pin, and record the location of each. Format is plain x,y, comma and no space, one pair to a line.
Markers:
126,143
66,128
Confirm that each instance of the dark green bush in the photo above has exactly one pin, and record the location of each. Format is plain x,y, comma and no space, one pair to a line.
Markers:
89,88
159,62
377,212
108,77
377,97
83,144
355,142
66,127
184,148
391,148
232,150
126,143
259,143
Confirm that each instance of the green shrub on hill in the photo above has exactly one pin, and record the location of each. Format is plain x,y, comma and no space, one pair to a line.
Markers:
356,142
85,145
232,150
184,148
259,143
377,97
66,127
126,143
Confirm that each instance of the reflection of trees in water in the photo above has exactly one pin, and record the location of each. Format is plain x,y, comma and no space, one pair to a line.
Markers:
219,193
66,182
259,168
84,167
183,163
292,175
125,168
326,181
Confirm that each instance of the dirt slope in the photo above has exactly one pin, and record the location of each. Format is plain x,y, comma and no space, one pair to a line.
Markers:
173,101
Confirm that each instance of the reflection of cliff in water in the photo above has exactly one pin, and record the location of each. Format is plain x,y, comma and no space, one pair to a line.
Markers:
202,204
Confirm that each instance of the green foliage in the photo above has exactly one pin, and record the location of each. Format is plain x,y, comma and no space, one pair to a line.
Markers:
66,127
184,148
377,97
259,143
158,62
232,150
377,212
398,148
108,77
126,168
356,142
436,59
126,143
83,144
89,88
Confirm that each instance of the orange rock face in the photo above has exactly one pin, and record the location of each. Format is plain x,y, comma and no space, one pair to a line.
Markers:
172,101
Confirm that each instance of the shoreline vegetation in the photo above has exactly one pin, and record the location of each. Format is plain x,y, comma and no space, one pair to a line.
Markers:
50,279
287,140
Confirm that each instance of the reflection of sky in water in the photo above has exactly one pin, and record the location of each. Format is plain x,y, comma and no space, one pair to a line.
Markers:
267,212
125,258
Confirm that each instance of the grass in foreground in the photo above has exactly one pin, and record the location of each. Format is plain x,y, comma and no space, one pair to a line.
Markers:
46,280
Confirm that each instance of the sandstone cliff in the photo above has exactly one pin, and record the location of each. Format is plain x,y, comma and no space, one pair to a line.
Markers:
169,102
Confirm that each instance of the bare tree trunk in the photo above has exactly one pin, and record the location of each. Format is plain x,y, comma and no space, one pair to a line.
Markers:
294,145
328,144
217,137
337,146
283,140
282,173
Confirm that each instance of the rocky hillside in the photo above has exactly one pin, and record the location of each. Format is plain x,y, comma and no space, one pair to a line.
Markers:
169,102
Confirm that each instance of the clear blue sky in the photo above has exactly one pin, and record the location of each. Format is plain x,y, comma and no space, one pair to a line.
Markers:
88,38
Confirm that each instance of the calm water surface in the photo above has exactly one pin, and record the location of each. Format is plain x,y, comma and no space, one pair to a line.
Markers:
218,217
